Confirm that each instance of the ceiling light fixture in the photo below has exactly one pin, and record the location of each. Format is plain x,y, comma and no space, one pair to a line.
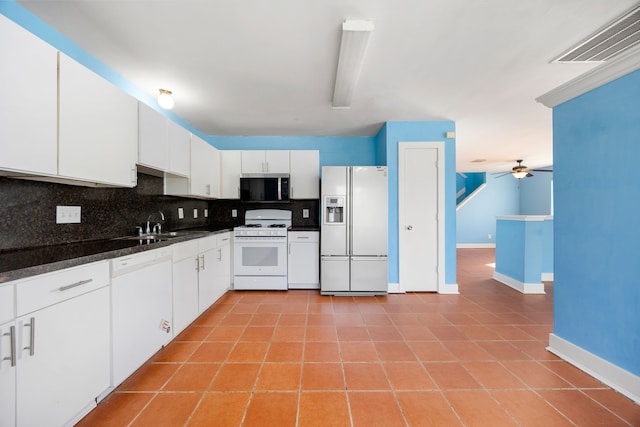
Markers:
519,174
355,39
165,100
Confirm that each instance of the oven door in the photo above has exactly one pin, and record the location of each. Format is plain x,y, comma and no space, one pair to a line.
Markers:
260,257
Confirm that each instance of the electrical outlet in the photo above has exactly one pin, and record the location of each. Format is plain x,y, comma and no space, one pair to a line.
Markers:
489,236
180,213
305,213
195,212
68,214
234,213
206,213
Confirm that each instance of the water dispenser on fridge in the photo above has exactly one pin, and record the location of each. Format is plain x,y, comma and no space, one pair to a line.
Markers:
334,210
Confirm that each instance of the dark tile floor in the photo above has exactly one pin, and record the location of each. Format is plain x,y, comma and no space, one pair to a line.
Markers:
297,358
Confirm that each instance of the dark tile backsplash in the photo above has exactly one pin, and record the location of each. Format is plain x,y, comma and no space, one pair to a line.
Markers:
28,211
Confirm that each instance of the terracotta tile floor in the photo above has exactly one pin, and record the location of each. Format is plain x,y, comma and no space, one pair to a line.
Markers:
300,359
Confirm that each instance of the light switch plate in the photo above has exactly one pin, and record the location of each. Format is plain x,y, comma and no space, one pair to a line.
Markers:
195,212
206,213
68,214
305,213
180,213
234,213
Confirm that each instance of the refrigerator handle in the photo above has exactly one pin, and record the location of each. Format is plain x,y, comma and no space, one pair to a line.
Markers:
349,204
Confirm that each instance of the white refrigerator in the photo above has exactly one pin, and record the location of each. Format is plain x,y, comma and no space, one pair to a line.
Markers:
353,241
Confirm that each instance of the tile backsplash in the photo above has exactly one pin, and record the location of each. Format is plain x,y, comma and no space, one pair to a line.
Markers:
28,211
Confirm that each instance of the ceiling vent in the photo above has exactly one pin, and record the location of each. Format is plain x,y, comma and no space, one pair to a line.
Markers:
615,38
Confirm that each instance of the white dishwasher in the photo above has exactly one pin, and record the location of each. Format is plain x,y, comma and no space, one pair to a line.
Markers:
141,304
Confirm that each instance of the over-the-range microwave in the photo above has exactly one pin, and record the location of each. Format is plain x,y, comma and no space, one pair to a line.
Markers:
264,188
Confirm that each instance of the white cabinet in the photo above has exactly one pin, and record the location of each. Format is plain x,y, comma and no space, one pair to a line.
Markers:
28,104
179,149
303,260
201,275
97,128
204,176
153,141
271,161
186,266
62,344
230,170
305,174
141,303
7,374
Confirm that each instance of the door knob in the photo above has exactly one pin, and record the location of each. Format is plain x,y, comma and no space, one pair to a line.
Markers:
409,227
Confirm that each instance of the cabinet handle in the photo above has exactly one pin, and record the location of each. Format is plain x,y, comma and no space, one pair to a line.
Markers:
208,190
219,255
238,192
134,175
12,337
197,264
302,237
202,258
289,248
74,285
32,336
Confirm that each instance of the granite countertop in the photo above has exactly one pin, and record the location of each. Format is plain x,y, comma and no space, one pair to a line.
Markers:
303,228
22,263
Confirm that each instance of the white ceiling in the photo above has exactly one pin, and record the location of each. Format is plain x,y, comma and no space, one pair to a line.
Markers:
257,67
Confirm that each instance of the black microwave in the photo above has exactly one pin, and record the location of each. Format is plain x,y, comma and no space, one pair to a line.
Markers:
272,188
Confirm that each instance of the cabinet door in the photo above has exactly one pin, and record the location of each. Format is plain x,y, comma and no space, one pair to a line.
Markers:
303,261
206,279
28,105
253,161
179,149
230,169
203,168
277,161
305,174
153,142
98,128
70,363
185,292
141,301
7,374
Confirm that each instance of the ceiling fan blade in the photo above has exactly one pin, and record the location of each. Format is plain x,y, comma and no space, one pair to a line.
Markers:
528,175
541,170
501,174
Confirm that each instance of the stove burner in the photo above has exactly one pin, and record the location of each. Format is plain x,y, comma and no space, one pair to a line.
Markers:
252,225
278,225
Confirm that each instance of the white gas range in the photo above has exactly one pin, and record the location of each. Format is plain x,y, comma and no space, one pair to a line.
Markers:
260,250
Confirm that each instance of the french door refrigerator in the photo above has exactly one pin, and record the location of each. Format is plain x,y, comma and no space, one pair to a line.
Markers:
353,241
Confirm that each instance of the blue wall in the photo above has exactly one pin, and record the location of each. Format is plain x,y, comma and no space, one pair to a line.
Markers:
535,194
597,290
421,132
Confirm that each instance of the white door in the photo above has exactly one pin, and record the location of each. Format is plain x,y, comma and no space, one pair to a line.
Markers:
421,203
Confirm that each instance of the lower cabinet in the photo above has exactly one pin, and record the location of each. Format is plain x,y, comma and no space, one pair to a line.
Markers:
59,359
141,301
303,260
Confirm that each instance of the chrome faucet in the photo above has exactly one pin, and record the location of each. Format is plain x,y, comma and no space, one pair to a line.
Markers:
157,228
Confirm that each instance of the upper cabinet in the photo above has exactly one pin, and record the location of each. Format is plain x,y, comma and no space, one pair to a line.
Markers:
203,180
230,168
97,128
271,161
28,104
163,145
305,174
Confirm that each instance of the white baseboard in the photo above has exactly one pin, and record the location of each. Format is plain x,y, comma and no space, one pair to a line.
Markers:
475,245
449,288
615,377
394,288
547,277
525,288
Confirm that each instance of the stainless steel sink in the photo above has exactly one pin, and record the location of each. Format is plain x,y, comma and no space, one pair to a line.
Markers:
158,237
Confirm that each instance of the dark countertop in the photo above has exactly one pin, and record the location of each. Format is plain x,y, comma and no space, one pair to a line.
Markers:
22,263
303,228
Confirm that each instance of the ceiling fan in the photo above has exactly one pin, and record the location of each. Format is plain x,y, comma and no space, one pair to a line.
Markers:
521,171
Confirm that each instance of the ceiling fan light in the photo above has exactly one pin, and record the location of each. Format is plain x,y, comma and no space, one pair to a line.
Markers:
519,174
165,99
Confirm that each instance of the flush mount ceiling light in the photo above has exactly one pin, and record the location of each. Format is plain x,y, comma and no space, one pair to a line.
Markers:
355,39
165,100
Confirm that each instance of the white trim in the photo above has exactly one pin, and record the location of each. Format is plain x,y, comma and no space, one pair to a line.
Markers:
449,289
473,194
524,217
525,288
612,375
624,64
394,288
475,245
547,277
440,147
